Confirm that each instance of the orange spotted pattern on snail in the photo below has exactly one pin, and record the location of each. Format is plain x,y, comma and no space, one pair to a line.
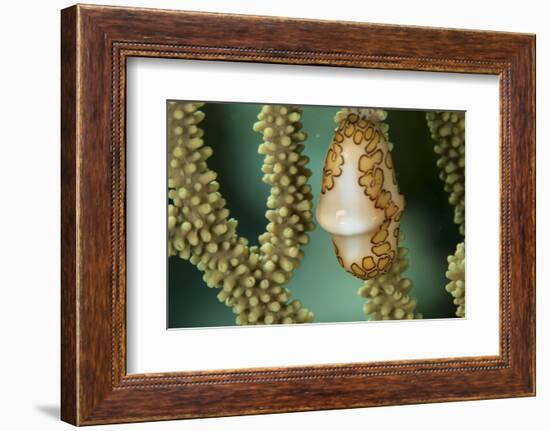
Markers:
360,204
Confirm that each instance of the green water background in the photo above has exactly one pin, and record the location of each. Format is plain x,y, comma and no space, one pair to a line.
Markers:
320,283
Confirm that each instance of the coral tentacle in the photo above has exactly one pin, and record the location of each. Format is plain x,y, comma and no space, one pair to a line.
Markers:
447,129
388,295
456,275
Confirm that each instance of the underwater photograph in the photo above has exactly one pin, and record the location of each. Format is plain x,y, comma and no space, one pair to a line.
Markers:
283,214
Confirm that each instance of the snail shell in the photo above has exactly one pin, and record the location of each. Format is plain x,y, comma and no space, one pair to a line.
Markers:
360,204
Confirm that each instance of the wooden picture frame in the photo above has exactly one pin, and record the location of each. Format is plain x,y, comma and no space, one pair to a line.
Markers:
95,43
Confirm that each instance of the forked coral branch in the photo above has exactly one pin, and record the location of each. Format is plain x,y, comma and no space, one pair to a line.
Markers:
447,129
250,278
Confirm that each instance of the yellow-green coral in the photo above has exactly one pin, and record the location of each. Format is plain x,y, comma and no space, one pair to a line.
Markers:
251,278
456,285
289,202
387,294
447,129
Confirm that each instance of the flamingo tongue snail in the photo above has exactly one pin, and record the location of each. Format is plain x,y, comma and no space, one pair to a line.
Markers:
360,204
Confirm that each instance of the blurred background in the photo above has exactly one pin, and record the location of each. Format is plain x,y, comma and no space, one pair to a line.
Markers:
320,282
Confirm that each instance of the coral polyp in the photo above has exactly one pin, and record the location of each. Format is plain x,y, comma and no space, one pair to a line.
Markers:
250,278
447,129
456,273
388,294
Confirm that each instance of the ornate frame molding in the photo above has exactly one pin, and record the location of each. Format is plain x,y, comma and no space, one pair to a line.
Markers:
96,41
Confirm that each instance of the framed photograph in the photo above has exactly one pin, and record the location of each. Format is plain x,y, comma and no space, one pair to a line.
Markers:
264,214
